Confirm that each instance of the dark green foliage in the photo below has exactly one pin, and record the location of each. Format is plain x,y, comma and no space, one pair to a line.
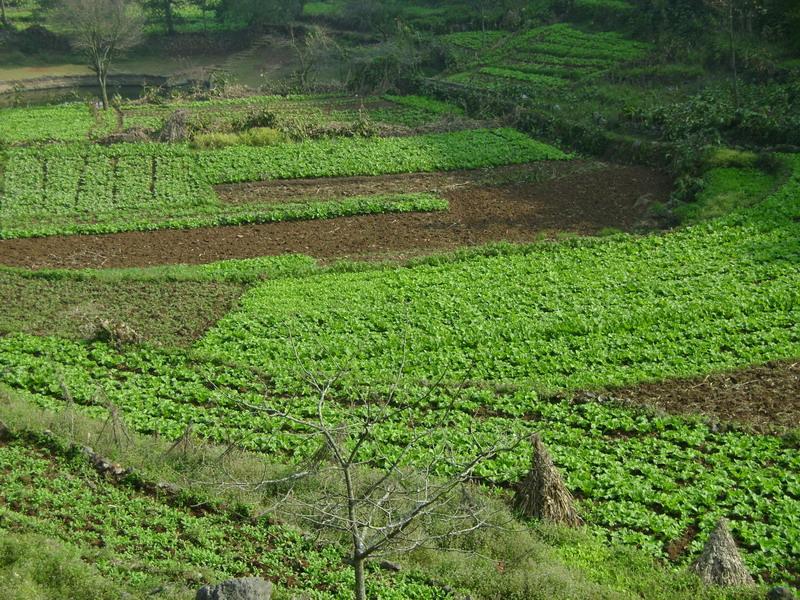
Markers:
395,65
768,115
257,117
261,12
371,15
687,19
163,10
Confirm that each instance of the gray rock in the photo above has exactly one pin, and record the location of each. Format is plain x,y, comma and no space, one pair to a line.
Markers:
246,588
780,593
390,566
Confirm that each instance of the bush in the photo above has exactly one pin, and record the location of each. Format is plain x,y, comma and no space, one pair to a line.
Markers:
211,141
258,136
35,568
666,73
257,117
261,136
728,157
726,189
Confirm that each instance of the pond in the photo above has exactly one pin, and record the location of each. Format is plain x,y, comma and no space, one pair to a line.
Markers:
66,94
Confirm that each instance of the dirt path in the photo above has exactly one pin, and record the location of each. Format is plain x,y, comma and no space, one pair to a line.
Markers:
487,206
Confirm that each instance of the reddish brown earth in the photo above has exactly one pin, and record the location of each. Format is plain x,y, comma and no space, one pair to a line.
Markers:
764,397
513,204
328,188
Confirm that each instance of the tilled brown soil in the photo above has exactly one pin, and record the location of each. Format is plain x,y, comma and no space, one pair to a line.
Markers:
764,397
499,205
328,188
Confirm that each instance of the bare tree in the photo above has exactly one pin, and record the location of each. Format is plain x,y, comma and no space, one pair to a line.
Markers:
102,29
367,490
314,45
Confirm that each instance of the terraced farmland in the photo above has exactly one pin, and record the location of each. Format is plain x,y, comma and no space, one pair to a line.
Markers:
536,332
539,59
50,190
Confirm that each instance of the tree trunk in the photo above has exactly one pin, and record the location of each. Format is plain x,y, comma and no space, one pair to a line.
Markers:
102,79
360,579
169,21
3,17
734,70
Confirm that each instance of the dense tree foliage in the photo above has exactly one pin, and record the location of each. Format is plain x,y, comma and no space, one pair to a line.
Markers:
677,24
261,12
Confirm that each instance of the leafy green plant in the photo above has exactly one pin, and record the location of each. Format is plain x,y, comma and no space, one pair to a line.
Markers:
575,314
726,189
71,188
427,104
243,214
545,80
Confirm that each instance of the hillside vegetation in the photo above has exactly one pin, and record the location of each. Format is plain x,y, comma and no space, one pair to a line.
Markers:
423,235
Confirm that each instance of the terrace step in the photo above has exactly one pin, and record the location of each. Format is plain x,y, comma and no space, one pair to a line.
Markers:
246,54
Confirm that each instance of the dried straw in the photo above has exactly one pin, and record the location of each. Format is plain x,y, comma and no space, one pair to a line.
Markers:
542,494
720,562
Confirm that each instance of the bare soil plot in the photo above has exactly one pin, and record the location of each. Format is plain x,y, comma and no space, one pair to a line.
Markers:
170,313
486,206
286,190
764,397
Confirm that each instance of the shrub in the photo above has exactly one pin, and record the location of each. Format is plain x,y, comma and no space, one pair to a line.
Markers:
298,127
261,136
34,567
257,117
363,125
210,141
728,157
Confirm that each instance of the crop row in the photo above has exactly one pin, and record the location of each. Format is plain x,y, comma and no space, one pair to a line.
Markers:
622,6
427,104
547,58
581,314
243,214
556,51
507,85
535,78
545,67
642,479
67,184
472,79
89,180
144,541
563,40
590,313
474,40
375,156
71,122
